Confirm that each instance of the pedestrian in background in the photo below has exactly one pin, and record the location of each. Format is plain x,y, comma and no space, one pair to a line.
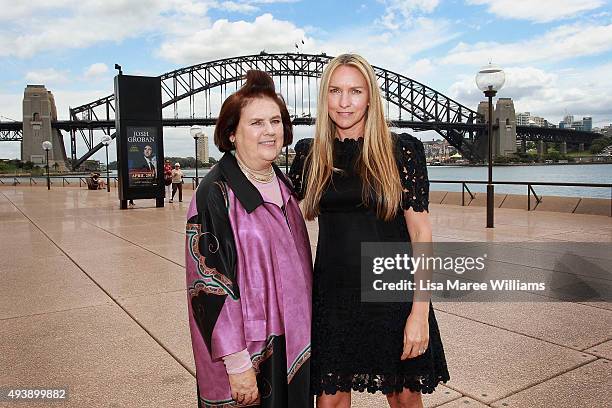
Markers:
168,178
177,182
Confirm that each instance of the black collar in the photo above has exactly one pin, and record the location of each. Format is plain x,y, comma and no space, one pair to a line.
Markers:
245,191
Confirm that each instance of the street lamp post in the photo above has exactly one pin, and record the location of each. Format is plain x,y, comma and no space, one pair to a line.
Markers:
105,141
196,132
489,80
46,145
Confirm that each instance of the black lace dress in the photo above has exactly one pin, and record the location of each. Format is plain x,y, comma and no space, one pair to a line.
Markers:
357,346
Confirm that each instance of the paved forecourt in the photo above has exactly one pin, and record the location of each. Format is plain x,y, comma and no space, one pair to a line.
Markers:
93,299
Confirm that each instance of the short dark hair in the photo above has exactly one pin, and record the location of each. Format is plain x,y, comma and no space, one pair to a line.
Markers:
258,85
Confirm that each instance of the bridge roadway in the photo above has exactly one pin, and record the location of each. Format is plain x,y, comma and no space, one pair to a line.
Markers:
532,133
93,298
11,131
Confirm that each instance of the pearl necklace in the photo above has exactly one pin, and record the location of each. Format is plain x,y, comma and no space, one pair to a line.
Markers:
260,176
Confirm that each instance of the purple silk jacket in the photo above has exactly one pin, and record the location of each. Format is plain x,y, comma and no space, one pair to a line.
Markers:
249,281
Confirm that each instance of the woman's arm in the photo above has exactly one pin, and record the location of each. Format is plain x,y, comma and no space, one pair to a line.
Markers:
416,330
419,228
415,203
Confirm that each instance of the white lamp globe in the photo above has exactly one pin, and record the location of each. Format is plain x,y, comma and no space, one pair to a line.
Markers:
491,77
196,131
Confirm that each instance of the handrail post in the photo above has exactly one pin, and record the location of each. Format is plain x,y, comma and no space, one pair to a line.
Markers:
462,194
528,197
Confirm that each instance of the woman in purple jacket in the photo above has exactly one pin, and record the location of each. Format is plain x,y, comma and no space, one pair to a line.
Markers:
248,262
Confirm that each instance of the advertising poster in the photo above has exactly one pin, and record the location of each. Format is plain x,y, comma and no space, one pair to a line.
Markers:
142,156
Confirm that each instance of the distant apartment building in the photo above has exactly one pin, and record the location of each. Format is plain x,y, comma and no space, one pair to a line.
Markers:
527,119
568,122
605,130
202,144
438,150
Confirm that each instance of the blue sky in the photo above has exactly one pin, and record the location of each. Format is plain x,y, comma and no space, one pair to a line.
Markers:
557,53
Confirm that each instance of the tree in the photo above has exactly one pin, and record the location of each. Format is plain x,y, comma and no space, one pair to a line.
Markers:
553,155
600,143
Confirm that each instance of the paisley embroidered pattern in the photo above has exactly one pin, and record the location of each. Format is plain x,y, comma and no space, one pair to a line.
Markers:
212,281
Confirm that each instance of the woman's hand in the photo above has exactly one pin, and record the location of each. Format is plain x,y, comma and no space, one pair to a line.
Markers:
244,387
416,335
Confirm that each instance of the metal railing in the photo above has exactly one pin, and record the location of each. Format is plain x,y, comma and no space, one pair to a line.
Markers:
530,190
65,180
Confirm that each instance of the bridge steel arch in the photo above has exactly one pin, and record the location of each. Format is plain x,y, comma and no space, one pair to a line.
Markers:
411,99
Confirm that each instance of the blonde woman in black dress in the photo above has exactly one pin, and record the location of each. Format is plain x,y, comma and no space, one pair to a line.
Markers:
364,184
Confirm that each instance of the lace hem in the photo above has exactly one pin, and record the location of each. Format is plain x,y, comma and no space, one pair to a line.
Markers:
387,384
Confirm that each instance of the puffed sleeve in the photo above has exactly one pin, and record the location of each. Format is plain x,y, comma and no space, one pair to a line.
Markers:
296,173
413,173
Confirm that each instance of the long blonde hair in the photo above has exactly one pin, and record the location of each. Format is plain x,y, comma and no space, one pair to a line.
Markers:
377,166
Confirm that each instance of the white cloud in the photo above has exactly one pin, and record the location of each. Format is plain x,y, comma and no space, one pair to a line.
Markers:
81,24
420,68
12,10
46,76
96,70
226,38
560,43
540,11
397,51
398,12
582,92
245,6
238,7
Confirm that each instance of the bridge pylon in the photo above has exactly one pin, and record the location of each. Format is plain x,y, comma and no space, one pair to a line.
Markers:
39,111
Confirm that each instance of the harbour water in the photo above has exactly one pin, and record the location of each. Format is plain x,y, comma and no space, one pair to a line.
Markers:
579,173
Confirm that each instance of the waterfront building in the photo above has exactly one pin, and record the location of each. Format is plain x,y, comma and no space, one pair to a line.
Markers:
527,119
202,146
438,150
568,122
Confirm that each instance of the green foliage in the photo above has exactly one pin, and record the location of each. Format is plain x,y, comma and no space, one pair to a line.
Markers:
6,167
555,155
600,143
502,160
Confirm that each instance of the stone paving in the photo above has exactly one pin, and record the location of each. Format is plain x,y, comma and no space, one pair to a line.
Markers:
92,298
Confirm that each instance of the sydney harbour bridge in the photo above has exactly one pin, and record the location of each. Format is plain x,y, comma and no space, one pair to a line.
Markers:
193,95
